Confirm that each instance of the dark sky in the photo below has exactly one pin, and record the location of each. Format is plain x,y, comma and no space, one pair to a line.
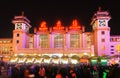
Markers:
51,11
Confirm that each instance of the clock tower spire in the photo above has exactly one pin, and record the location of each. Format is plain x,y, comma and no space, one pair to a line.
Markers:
20,33
22,13
101,32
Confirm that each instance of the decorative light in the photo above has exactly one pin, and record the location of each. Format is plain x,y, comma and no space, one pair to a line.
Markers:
47,60
43,26
59,55
75,25
30,60
15,55
22,60
103,60
39,54
58,26
74,61
65,61
85,53
92,54
56,61
21,54
38,60
13,59
34,54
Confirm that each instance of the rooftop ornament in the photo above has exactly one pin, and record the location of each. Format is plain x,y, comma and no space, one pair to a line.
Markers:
99,9
43,26
75,25
58,26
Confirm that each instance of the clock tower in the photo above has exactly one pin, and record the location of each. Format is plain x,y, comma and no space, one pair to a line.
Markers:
101,32
20,33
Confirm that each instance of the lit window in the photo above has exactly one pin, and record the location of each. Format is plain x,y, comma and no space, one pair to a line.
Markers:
5,50
4,41
58,41
118,39
0,41
30,42
8,41
44,42
88,40
118,48
74,40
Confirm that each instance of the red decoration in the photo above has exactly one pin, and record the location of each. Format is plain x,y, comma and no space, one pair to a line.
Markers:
58,26
75,25
43,26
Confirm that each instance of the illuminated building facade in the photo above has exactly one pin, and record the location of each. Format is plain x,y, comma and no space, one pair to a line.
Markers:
59,40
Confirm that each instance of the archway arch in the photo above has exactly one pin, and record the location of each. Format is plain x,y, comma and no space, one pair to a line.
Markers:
55,59
74,59
46,58
84,59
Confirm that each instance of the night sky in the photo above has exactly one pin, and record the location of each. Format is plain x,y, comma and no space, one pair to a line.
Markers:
51,11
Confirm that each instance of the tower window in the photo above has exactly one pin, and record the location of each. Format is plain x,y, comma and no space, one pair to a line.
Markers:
112,52
112,49
111,46
102,32
18,35
17,41
103,40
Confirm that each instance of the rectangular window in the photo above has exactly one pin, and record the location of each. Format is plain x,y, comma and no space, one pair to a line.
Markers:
102,32
111,46
103,40
112,52
88,40
5,50
118,39
0,41
17,41
59,41
112,49
74,40
44,42
18,35
31,42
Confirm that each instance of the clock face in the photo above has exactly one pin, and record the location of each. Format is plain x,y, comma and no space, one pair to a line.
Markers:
19,26
102,22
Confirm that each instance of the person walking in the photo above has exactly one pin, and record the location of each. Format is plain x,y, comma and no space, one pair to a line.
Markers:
16,71
41,72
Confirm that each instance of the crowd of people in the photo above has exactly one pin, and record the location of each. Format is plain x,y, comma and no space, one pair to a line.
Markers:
58,71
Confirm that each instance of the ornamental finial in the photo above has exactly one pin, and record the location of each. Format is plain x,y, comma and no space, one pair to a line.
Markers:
22,13
99,8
